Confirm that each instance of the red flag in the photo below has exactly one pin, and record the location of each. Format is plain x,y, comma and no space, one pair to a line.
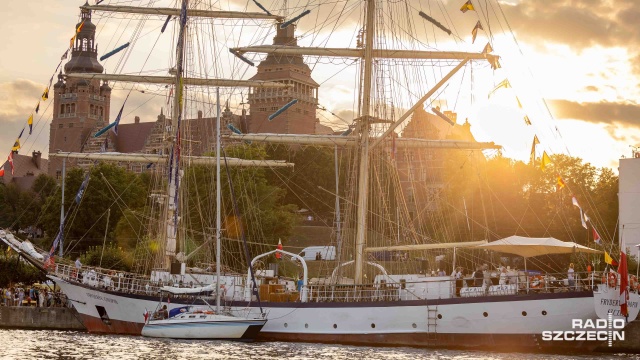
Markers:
596,237
279,247
10,158
2,171
624,282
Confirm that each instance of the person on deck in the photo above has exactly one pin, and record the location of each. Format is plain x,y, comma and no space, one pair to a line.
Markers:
486,274
477,276
504,278
571,276
164,312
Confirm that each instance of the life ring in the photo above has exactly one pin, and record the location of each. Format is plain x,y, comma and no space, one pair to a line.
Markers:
536,282
613,281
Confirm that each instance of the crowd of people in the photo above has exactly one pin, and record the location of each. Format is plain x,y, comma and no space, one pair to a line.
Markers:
33,296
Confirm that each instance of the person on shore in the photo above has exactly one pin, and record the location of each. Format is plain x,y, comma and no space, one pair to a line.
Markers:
571,276
8,297
40,299
20,296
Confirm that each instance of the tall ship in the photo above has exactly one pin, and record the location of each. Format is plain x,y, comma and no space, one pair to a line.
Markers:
388,282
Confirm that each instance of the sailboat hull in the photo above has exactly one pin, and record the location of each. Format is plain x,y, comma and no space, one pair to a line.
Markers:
502,323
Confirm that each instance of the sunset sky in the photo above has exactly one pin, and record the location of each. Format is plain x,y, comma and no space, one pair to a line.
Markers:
581,56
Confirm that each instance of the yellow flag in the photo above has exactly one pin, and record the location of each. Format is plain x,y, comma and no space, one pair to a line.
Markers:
533,148
45,94
504,83
467,6
474,32
30,123
609,260
546,160
526,120
16,145
487,49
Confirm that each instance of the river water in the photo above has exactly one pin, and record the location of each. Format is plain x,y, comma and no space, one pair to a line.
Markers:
32,345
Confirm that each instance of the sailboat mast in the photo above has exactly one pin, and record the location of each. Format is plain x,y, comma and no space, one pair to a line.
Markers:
363,175
218,196
172,224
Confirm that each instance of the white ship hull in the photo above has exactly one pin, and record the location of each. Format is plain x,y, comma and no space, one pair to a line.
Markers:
509,322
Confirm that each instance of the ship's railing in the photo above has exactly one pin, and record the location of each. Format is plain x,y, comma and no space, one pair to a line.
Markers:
425,288
108,279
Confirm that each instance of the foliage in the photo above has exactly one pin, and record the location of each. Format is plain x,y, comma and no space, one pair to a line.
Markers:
14,271
113,257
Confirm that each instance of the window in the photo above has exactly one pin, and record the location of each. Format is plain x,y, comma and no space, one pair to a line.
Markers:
274,108
60,126
61,108
70,125
58,174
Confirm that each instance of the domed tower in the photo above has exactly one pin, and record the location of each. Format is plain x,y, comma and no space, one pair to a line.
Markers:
289,69
79,105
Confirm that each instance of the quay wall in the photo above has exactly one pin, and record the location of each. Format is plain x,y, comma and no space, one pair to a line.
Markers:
53,318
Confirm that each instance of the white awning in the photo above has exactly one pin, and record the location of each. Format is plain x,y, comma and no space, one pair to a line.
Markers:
426,246
529,247
197,290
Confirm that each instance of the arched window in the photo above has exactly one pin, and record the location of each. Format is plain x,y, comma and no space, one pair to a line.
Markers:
68,109
61,108
73,108
92,111
84,44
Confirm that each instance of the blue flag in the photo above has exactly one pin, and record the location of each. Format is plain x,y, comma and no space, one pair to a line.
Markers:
82,188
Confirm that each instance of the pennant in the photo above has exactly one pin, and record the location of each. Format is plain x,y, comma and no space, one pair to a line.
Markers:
582,216
79,28
73,38
526,120
546,160
114,51
467,6
166,22
585,217
487,49
596,236
64,56
38,107
504,83
624,283
2,171
533,148
21,132
10,158
30,121
495,62
609,260
474,32
170,94
45,94
57,239
434,22
82,187
559,183
519,104
574,201
279,247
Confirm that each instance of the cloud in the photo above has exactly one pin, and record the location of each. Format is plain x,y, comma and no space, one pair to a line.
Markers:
577,23
604,112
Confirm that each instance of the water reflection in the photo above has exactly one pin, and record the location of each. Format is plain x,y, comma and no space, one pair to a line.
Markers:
23,344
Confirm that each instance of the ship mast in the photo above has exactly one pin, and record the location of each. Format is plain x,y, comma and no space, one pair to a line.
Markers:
363,173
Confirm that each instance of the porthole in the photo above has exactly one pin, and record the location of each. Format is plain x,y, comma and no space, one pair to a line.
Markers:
414,325
306,326
544,312
524,313
439,316
485,314
335,326
373,326
286,325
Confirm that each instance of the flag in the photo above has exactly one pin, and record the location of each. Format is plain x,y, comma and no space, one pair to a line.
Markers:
546,160
574,201
504,83
38,107
115,127
82,187
519,104
474,32
57,239
64,56
30,121
487,49
526,120
609,260
10,158
467,6
582,219
560,183
533,148
596,236
624,282
279,247
79,28
16,145
586,218
45,94
2,171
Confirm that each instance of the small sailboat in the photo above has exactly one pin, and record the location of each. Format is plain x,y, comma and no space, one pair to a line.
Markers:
205,321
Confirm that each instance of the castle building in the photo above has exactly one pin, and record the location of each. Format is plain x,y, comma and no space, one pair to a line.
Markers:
287,69
78,104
